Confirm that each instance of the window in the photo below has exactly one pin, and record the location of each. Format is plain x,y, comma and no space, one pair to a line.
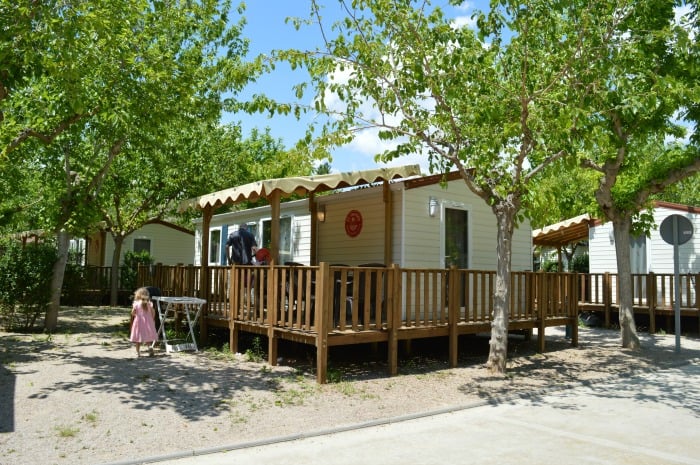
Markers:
214,246
285,244
253,229
76,251
142,245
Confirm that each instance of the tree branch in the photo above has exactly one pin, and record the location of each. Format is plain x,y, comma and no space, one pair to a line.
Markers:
96,182
659,185
45,138
549,160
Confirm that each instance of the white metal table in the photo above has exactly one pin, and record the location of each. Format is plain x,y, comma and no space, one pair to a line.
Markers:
167,307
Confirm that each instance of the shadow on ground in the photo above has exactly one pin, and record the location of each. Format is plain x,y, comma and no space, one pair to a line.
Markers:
191,384
194,385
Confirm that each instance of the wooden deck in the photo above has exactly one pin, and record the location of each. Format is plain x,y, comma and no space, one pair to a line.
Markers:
327,306
653,296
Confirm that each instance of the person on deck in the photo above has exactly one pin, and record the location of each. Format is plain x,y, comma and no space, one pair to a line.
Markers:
241,246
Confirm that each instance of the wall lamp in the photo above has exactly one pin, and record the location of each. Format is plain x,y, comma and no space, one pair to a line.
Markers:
432,206
321,213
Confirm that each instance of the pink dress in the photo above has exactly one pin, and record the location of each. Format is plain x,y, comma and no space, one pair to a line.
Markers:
143,329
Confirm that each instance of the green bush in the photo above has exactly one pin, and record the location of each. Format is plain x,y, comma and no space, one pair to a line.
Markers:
550,267
74,282
129,272
25,282
580,263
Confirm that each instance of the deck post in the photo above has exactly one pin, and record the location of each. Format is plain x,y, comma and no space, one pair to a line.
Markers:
205,287
322,317
232,310
232,336
573,308
272,342
453,315
651,301
607,297
543,301
697,298
393,314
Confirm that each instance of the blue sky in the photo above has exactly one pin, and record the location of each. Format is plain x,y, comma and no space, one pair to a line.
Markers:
267,30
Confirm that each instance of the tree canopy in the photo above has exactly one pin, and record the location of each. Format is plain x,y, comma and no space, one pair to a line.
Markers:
494,105
539,82
88,87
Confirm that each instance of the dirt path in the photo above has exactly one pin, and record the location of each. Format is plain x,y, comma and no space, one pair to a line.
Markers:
81,397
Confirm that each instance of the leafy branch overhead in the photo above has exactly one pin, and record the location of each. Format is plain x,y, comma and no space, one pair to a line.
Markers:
95,96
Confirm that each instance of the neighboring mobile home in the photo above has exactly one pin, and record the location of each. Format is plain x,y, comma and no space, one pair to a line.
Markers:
166,242
431,227
652,263
648,254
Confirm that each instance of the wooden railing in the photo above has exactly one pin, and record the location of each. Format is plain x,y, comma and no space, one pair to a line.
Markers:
652,294
338,305
423,296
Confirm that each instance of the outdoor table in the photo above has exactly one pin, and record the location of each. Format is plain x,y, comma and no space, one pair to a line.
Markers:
191,307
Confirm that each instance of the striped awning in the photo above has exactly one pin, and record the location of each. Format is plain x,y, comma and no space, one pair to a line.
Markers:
563,233
301,185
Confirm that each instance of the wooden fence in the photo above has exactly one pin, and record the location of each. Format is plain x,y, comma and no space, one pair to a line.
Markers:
653,295
327,306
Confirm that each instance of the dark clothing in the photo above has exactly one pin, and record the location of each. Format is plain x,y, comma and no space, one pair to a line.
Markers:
241,243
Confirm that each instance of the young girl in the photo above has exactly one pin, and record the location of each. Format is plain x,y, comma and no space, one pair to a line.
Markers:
143,327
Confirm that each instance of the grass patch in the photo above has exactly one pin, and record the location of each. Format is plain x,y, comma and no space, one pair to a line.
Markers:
67,431
301,390
255,353
224,353
90,417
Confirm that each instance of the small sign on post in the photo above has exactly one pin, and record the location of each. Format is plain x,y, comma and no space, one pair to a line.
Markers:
676,230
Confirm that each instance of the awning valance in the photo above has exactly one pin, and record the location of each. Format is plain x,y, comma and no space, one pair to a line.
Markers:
301,185
563,233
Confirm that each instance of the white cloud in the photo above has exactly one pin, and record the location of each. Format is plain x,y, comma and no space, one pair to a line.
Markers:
465,6
464,21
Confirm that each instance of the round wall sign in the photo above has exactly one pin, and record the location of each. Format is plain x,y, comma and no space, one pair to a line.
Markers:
353,223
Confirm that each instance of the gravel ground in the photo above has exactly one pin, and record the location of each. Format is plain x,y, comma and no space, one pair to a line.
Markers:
82,397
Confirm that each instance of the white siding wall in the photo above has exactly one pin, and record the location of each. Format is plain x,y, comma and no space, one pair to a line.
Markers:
169,246
601,249
301,224
659,253
420,239
417,242
522,246
301,238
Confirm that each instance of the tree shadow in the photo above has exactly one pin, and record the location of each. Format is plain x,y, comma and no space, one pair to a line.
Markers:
192,390
7,400
192,385
531,375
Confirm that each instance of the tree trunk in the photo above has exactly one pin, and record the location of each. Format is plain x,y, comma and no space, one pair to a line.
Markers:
114,271
59,271
498,352
628,329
